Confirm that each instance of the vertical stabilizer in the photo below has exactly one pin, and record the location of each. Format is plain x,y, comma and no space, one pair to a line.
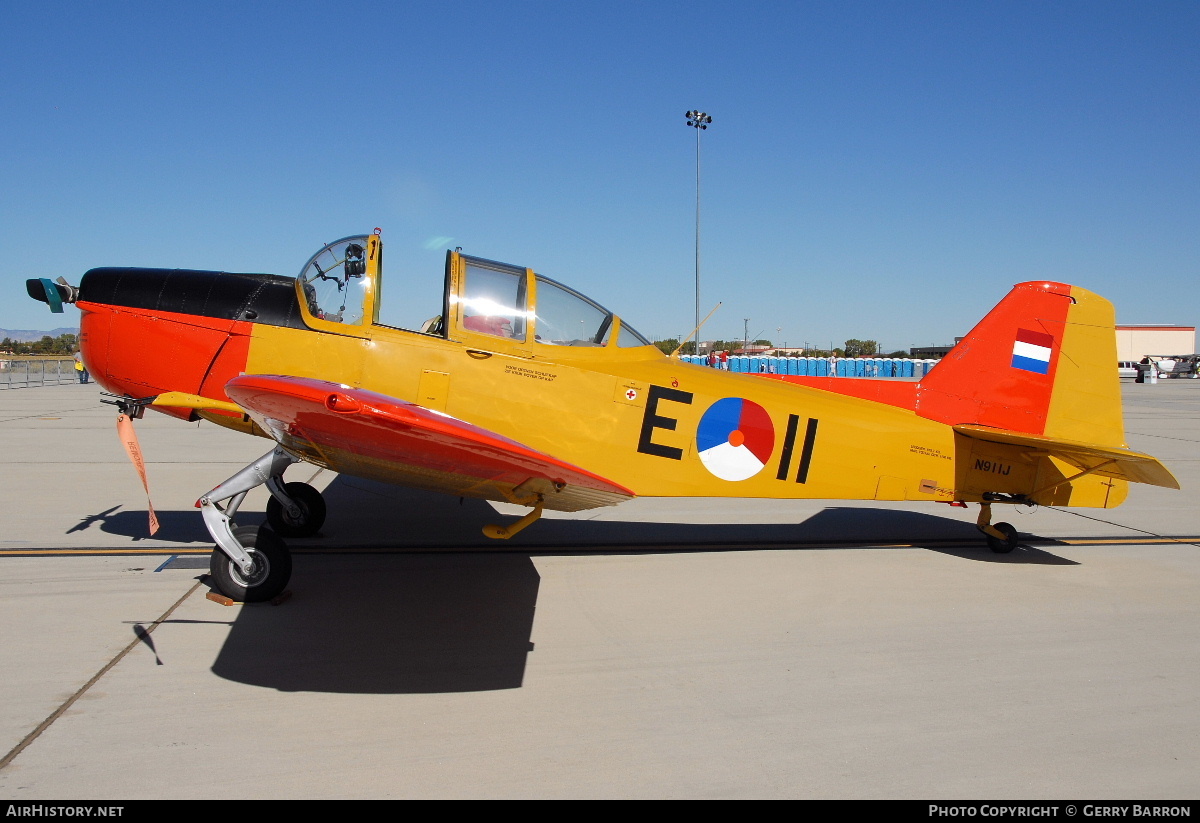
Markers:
1042,362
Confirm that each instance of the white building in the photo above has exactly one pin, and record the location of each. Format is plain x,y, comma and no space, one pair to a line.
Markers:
1136,341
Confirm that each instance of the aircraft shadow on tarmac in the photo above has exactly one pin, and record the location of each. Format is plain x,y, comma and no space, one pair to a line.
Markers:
454,613
185,526
392,624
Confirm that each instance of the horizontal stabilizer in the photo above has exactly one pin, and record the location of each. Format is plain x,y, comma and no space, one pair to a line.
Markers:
1105,461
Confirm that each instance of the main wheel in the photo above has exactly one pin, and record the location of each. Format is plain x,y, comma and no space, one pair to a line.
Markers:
1008,543
312,512
270,574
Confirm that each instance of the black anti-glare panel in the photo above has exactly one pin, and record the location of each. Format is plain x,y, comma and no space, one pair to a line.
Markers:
255,298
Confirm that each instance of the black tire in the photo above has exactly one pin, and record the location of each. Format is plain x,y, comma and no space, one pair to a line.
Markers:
1008,544
271,572
312,508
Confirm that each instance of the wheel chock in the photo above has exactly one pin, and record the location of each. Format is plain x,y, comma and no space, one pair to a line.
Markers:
278,599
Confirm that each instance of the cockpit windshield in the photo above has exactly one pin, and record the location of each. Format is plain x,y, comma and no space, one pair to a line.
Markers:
334,281
339,284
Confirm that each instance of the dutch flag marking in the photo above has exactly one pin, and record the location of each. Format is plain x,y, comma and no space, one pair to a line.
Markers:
1031,351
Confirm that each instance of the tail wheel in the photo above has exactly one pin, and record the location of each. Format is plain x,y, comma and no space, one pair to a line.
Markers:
312,512
1008,543
270,574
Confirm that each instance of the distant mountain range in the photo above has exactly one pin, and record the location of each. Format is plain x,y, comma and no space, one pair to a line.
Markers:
28,336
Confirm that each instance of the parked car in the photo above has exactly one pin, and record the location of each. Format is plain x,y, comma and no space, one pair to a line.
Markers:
1127,368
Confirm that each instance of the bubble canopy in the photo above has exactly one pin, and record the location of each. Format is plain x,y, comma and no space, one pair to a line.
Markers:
339,283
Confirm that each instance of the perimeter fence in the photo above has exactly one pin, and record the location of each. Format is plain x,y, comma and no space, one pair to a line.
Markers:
27,373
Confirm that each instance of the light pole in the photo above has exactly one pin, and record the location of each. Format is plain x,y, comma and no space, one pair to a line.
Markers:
699,121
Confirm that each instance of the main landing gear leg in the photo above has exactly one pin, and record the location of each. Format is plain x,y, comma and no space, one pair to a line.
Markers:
1002,537
250,564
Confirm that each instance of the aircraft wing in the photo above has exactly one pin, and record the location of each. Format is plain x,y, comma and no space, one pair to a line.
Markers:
367,434
1106,461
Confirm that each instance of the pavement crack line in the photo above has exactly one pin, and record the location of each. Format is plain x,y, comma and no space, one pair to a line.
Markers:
139,639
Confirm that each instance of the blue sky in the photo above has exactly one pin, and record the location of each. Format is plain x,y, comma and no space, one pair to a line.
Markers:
877,170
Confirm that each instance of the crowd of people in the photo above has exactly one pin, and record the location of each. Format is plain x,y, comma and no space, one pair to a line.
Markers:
719,359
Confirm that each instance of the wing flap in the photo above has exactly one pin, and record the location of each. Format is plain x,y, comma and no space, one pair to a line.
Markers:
1106,461
364,433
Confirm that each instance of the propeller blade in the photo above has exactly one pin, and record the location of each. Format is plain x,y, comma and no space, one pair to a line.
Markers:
129,440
